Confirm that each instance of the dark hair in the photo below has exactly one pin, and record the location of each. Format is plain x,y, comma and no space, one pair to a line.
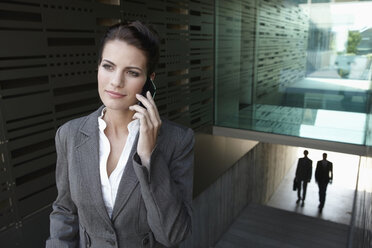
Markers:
138,35
306,152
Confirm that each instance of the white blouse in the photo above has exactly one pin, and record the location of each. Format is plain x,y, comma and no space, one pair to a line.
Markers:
110,185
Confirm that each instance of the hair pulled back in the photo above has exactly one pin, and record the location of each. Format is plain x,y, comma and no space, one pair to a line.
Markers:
138,35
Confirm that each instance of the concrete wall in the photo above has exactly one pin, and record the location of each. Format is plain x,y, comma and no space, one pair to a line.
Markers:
214,155
361,227
253,178
267,168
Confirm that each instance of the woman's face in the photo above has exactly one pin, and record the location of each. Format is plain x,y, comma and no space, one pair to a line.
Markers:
121,75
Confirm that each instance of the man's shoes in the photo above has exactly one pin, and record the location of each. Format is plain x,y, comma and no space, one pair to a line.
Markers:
303,203
298,200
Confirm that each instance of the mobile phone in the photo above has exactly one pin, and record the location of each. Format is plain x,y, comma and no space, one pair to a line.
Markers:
149,86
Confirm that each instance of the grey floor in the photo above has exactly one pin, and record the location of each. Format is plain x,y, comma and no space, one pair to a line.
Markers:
283,223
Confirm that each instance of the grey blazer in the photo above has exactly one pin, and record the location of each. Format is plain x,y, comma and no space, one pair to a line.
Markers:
152,208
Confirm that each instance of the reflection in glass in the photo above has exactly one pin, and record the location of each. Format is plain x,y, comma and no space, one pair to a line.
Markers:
300,69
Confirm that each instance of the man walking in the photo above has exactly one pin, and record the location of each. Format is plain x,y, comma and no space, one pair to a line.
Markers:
323,176
303,176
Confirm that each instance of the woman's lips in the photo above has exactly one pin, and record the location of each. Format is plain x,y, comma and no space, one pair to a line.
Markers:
114,94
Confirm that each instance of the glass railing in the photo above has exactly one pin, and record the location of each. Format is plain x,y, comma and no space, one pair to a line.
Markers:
293,68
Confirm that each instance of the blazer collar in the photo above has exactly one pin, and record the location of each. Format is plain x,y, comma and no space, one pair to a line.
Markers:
88,152
90,126
127,184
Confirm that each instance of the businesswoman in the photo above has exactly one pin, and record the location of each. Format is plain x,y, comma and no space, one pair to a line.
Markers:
124,175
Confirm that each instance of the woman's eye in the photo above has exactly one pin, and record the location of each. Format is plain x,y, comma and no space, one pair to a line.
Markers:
133,73
107,66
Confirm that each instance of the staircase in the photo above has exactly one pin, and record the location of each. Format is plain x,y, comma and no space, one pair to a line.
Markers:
263,226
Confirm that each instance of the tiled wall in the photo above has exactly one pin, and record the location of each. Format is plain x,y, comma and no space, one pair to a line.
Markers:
260,50
282,33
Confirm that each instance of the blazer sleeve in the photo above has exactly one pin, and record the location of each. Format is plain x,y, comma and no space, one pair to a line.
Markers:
64,225
317,172
167,190
298,169
310,170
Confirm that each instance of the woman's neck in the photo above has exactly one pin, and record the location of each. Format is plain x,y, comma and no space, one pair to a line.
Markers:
117,121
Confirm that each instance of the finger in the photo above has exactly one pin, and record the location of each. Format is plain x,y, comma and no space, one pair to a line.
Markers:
154,108
137,108
149,97
143,100
142,114
142,111
144,124
150,107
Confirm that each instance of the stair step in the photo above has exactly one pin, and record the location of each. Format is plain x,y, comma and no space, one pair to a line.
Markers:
263,226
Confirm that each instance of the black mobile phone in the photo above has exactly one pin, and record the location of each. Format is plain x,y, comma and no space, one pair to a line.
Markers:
149,86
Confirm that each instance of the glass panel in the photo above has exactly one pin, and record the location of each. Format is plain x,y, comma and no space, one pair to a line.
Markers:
307,68
235,25
369,134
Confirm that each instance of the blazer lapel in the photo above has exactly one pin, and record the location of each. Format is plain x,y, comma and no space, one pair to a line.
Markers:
127,184
88,156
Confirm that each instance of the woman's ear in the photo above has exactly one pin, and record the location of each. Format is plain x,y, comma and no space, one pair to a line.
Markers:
152,76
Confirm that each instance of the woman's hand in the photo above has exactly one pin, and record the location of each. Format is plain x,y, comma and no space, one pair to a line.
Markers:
150,123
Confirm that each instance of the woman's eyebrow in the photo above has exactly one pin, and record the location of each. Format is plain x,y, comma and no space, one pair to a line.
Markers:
133,67
108,61
128,67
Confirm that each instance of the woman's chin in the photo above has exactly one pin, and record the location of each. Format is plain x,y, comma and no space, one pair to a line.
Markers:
117,106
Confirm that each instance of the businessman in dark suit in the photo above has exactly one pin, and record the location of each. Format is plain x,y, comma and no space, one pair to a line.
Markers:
323,176
303,176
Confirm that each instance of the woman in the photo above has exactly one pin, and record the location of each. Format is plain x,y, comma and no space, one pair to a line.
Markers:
124,175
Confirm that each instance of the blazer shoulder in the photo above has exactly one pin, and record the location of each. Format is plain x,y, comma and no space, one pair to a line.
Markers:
173,127
174,134
72,127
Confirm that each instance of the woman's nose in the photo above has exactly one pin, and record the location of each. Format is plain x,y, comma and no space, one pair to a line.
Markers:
117,80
